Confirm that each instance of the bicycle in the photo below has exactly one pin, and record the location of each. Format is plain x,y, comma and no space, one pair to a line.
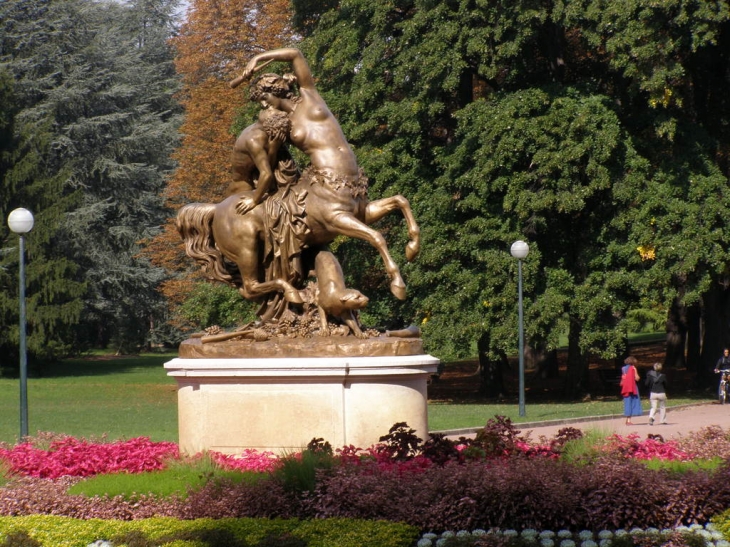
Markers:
722,390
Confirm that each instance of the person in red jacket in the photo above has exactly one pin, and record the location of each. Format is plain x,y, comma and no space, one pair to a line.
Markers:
630,389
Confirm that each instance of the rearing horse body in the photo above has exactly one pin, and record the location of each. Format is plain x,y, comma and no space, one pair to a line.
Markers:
332,191
214,232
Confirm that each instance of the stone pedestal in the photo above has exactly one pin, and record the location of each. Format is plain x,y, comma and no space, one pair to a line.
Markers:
230,404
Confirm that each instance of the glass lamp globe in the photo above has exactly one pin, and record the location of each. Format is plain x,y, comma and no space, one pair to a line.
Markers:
519,249
20,221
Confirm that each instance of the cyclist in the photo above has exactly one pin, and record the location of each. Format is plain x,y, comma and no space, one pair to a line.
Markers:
723,363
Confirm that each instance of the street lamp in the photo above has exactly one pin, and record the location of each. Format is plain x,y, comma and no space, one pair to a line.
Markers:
21,222
519,250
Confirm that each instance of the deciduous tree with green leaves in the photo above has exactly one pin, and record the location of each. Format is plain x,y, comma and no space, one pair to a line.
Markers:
558,123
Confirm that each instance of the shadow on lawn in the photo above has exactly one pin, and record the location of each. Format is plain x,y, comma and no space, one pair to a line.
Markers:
100,365
461,382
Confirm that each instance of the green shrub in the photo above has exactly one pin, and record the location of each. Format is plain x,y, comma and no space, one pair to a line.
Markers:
4,472
51,531
19,539
586,449
178,479
722,523
681,467
298,472
217,304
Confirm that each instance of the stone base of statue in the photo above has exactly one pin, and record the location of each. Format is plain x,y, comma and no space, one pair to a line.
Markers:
280,394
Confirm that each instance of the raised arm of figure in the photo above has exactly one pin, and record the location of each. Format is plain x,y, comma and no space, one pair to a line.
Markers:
291,55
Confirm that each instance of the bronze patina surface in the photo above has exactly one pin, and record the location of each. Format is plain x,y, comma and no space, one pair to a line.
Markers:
327,346
271,233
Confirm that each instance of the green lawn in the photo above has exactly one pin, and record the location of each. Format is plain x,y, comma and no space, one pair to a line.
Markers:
121,398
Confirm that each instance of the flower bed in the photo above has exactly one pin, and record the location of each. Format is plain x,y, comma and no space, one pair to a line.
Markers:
496,481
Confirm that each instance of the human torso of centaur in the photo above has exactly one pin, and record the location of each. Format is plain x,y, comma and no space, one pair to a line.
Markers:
243,168
316,132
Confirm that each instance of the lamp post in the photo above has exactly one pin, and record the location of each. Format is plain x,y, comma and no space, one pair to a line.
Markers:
519,250
20,221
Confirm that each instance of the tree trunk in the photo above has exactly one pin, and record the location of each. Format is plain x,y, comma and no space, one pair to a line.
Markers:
542,360
694,336
676,328
576,378
490,370
716,332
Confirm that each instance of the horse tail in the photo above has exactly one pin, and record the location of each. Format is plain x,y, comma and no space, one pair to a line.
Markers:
194,224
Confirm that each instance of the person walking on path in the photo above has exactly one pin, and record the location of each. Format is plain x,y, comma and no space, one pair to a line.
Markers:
630,389
656,381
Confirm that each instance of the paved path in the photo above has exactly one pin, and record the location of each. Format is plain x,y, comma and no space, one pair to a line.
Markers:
681,421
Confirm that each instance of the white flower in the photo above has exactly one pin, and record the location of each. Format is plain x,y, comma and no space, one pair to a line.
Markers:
604,543
722,543
101,543
585,534
605,534
441,542
429,535
424,542
567,543
447,534
547,542
547,534
529,533
478,532
510,533
565,534
589,543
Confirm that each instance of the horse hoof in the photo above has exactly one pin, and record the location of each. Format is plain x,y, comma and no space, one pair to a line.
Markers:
398,288
293,296
412,250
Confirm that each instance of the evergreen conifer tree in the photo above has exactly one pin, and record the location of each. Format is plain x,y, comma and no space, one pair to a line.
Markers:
96,121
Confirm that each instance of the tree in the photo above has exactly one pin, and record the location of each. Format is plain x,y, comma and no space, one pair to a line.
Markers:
668,65
35,180
95,125
565,124
7,119
212,48
121,138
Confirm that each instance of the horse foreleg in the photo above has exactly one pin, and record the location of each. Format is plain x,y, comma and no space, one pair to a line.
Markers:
346,224
380,207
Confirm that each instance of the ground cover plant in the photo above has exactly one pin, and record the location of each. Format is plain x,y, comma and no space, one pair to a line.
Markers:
59,531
